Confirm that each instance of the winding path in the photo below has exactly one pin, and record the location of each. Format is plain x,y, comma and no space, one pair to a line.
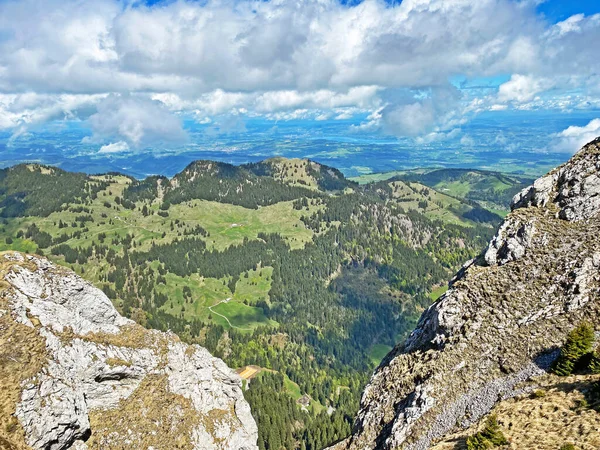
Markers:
210,308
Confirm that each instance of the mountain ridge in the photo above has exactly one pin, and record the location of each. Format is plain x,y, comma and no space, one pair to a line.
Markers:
492,189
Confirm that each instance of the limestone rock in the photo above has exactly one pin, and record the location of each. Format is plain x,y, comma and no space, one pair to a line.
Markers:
571,192
578,185
104,382
539,194
511,241
500,323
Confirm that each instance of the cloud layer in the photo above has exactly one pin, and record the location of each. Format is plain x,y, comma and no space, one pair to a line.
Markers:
114,64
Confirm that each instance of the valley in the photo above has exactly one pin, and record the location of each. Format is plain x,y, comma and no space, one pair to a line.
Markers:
299,225
283,265
492,190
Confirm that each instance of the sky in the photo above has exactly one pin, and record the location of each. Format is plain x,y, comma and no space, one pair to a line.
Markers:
117,78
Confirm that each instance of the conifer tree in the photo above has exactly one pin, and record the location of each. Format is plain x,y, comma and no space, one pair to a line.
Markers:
579,343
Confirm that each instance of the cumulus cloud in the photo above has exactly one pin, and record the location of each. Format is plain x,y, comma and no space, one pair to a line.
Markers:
26,109
522,88
280,59
115,147
197,47
135,121
573,138
435,111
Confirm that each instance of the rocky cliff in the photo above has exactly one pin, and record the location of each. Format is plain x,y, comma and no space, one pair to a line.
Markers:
502,320
75,374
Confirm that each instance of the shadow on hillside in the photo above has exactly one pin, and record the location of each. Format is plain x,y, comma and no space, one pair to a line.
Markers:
589,387
546,358
460,443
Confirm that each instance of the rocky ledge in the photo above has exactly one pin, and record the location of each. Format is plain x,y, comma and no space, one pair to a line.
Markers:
75,374
501,322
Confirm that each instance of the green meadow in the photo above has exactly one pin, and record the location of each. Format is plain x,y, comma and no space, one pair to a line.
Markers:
378,352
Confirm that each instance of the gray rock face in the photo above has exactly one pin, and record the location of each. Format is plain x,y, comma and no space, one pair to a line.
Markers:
539,194
99,363
578,185
501,321
574,187
511,241
571,192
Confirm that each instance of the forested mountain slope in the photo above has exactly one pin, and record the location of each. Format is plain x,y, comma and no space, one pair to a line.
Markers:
499,327
284,266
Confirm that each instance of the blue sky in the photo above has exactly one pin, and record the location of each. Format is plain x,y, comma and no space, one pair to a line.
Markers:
137,77
558,10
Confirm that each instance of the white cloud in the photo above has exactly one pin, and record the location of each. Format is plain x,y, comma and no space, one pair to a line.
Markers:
573,138
345,114
467,141
192,48
282,59
570,25
438,110
26,109
116,147
136,121
522,88
438,136
410,120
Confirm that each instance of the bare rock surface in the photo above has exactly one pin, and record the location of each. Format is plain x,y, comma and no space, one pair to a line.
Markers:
500,323
98,380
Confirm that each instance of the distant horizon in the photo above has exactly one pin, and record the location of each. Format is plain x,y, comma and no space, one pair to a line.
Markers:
241,164
526,140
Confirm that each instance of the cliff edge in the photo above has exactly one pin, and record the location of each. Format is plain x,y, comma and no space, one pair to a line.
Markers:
76,374
502,321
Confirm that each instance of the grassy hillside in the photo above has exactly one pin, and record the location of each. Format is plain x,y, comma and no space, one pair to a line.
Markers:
493,190
26,189
284,265
436,205
302,172
552,413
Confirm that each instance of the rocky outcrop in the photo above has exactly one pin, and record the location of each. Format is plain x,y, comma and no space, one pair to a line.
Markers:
77,375
502,320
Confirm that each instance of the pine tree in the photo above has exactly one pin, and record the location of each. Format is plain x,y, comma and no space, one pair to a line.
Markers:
491,436
579,343
595,362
